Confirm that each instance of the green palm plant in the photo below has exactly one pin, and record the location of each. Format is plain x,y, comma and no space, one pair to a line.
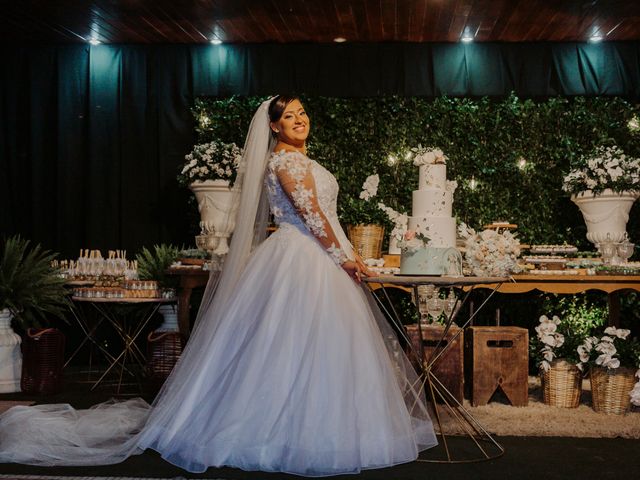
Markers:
30,288
153,264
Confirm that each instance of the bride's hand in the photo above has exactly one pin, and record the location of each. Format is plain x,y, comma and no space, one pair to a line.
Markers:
363,266
355,271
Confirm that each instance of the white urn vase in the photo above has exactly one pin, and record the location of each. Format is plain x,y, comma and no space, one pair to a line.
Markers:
217,204
10,355
394,249
170,318
606,215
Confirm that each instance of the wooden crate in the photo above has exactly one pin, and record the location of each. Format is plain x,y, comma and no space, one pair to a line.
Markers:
449,368
498,358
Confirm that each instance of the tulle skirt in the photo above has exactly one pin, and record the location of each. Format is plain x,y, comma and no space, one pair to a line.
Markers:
297,378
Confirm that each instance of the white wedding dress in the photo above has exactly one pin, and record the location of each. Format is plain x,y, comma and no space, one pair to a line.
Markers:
300,376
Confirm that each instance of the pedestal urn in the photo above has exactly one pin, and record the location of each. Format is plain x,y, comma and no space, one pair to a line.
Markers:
218,205
606,214
10,355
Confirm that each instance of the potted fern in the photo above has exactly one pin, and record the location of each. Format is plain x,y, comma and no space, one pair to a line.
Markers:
31,292
153,265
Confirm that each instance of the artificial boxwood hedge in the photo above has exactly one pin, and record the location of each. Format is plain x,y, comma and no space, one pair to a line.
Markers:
485,140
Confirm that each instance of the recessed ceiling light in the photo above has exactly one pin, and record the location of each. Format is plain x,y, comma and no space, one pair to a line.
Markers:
596,38
467,39
216,41
339,39
94,41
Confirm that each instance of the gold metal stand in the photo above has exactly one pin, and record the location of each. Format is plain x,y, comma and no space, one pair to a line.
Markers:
479,445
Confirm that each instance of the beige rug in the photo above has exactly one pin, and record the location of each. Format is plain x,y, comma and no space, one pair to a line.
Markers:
540,420
7,404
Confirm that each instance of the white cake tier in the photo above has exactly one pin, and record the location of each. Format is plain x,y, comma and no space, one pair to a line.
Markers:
434,176
432,202
440,230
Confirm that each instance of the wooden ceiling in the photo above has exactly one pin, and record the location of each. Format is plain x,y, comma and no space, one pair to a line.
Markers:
283,21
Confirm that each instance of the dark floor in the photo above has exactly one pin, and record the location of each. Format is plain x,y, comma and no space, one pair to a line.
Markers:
545,458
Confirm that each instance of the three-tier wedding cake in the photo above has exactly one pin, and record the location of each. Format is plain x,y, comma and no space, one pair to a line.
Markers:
431,217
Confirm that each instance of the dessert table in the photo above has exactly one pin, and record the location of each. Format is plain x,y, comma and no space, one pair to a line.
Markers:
442,401
612,285
126,328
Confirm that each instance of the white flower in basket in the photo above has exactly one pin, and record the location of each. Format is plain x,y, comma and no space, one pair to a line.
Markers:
489,252
551,339
607,352
370,187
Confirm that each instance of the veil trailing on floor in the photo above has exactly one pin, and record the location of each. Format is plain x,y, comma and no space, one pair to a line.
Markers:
112,431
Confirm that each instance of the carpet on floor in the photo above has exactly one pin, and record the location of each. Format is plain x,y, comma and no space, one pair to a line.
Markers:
49,477
7,404
540,420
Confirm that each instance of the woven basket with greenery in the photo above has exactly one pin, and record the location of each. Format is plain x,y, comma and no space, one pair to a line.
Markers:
366,240
610,389
561,384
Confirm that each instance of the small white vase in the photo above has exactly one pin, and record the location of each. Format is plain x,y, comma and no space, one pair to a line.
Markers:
394,249
10,355
218,205
170,315
606,215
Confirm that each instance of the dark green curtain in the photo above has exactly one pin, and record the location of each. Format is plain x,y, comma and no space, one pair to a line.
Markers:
91,138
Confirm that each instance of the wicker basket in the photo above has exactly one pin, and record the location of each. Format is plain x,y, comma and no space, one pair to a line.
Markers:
163,351
366,240
43,352
610,389
561,385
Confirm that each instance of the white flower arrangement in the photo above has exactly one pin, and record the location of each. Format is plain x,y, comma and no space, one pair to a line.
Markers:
635,392
490,253
211,161
551,339
604,348
370,187
428,156
611,351
607,167
634,124
399,220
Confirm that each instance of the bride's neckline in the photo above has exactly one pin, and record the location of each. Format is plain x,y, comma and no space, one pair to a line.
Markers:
284,151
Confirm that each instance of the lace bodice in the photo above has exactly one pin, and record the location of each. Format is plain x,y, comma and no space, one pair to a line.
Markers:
304,194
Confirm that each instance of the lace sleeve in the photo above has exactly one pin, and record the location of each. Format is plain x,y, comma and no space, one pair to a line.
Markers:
295,177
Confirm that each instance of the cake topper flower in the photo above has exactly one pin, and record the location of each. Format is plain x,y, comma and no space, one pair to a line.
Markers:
428,156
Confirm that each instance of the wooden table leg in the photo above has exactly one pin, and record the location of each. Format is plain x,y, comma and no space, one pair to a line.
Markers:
614,309
184,298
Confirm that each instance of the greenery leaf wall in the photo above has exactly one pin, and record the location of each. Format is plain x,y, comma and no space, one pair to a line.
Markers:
486,140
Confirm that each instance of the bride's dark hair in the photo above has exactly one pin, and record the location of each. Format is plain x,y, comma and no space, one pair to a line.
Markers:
278,104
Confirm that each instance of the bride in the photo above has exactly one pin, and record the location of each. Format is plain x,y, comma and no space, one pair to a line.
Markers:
291,366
